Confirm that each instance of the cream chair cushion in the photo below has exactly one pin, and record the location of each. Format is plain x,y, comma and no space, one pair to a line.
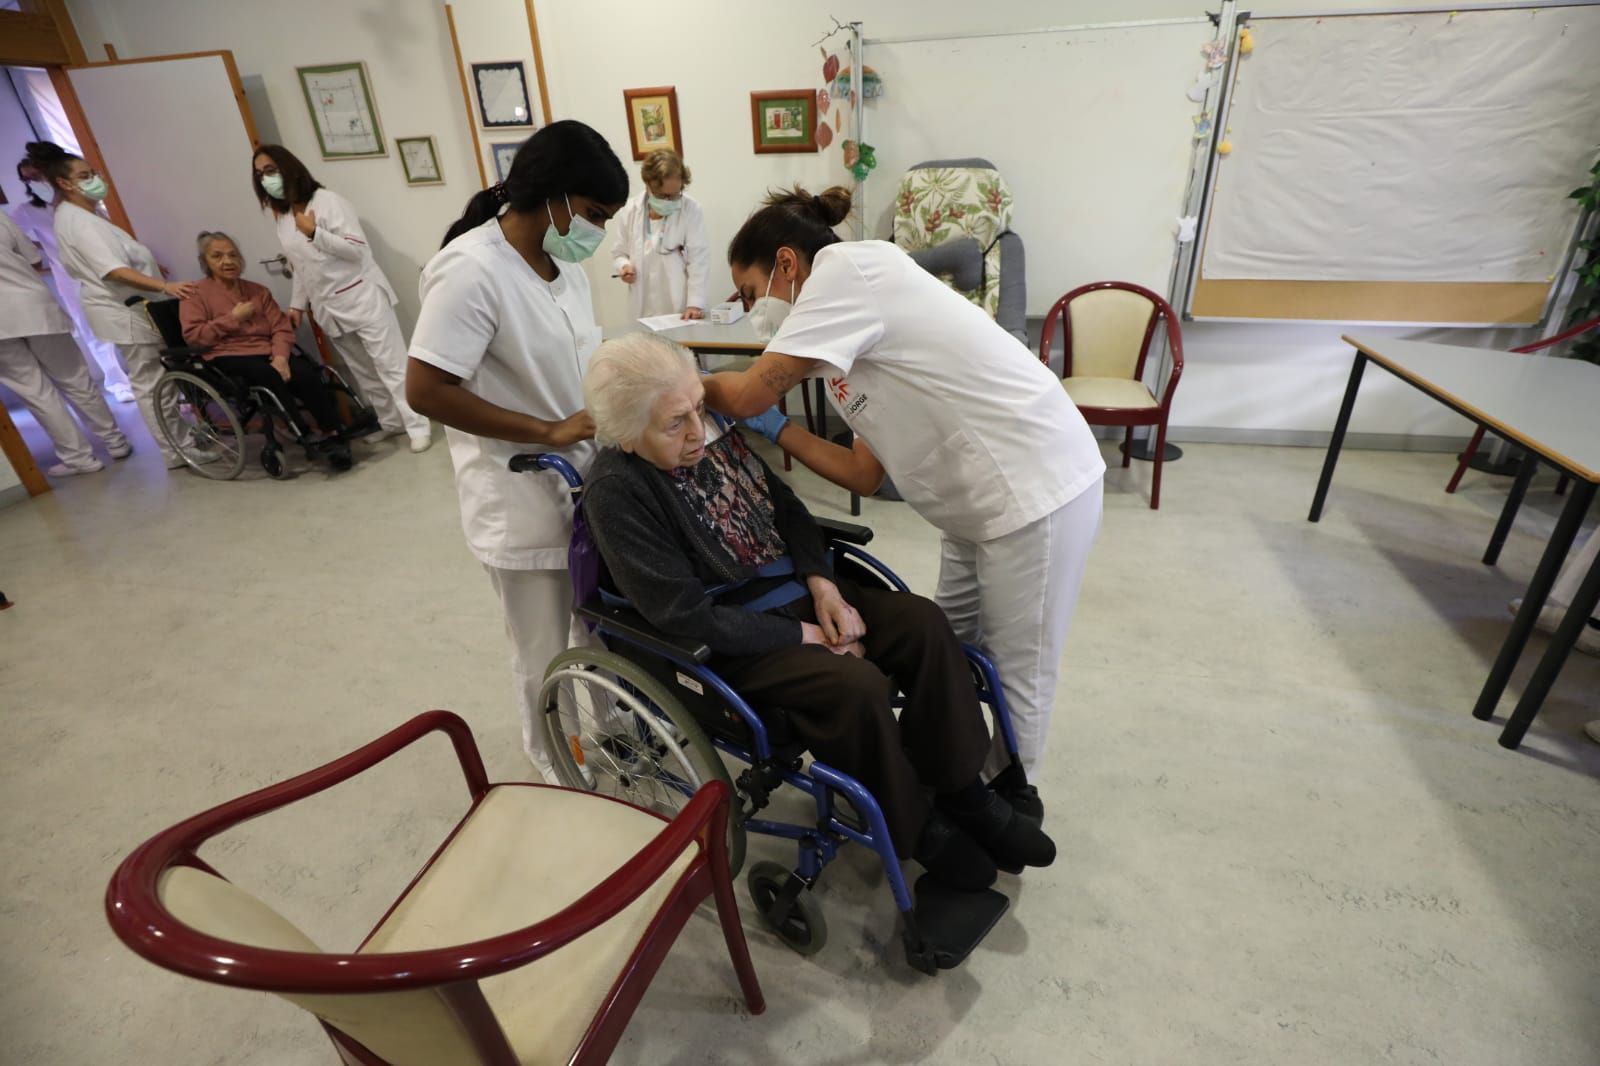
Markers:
1119,393
1108,327
523,855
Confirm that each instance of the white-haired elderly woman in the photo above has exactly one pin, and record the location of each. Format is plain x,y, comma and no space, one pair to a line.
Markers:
678,503
250,338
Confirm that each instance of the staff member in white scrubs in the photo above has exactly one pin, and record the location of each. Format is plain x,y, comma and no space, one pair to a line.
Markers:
40,362
110,267
975,432
336,278
36,217
662,251
499,353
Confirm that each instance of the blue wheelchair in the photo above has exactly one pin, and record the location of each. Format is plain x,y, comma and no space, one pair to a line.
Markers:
643,718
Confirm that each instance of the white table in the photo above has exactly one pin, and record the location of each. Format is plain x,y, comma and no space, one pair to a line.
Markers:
1551,407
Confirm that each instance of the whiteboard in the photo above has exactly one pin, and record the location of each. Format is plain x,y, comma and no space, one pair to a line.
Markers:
1091,129
174,140
1412,148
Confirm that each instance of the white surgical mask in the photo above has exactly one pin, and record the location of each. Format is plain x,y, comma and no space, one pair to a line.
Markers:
47,193
768,313
273,184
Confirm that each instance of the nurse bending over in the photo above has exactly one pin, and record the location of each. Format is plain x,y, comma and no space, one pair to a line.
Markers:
498,356
976,433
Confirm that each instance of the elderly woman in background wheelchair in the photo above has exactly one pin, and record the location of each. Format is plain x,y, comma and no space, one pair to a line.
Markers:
251,340
679,504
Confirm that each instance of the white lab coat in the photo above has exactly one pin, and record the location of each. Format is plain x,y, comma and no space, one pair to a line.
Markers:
92,247
38,223
672,256
980,439
521,343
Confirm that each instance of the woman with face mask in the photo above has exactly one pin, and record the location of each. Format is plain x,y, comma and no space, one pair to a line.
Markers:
662,252
337,280
975,432
35,216
498,356
111,267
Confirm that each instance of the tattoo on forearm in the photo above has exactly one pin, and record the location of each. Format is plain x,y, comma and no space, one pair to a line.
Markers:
777,378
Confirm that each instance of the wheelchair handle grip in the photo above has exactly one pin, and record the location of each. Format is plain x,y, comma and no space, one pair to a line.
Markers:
531,461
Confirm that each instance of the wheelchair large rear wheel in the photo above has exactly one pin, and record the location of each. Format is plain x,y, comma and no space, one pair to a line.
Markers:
612,728
198,422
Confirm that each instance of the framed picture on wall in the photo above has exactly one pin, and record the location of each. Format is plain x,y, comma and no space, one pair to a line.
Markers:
503,152
784,120
653,120
343,113
419,158
502,95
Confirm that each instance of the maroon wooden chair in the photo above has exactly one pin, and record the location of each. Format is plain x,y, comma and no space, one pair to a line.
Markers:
1526,349
1107,328
528,937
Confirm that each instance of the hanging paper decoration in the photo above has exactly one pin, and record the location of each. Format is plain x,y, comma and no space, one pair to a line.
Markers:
867,160
823,101
1247,41
1202,126
871,84
838,121
1216,54
851,152
824,136
1225,148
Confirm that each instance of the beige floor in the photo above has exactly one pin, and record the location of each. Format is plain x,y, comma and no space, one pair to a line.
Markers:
1283,837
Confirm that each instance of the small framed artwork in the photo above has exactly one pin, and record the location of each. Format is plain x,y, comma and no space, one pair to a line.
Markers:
419,157
502,95
343,113
653,120
504,152
784,121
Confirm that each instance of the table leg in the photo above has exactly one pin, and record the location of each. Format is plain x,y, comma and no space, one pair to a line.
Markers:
822,410
1555,553
1508,514
1337,442
1544,675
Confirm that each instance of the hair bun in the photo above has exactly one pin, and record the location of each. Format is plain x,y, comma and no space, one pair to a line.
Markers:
833,205
46,151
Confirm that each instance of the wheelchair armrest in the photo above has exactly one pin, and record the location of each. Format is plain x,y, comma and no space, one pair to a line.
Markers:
188,351
848,532
631,626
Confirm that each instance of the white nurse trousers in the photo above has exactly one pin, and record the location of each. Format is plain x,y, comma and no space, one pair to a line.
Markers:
375,352
1013,598
47,372
540,626
142,362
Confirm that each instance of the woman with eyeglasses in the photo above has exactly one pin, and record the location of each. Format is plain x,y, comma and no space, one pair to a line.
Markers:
662,252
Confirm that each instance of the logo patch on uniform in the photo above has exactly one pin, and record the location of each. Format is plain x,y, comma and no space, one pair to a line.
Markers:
840,389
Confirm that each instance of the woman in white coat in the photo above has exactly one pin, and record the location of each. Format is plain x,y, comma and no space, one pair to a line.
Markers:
662,252
975,432
35,216
338,281
499,353
111,267
40,361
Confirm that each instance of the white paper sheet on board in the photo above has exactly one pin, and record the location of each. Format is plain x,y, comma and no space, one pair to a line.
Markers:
1419,147
662,323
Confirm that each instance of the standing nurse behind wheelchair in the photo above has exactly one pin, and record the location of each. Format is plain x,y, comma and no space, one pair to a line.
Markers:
499,353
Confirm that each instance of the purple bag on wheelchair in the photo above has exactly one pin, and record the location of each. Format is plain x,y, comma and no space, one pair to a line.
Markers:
583,560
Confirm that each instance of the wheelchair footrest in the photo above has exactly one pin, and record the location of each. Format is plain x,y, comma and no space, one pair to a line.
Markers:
365,422
949,923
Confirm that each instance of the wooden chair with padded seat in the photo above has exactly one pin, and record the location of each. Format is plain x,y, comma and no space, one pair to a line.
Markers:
528,937
1107,328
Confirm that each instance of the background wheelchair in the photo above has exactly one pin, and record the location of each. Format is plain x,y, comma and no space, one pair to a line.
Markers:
644,719
214,412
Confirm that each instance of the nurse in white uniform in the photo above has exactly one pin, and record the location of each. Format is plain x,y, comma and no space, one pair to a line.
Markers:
36,217
662,252
338,281
111,267
499,353
975,432
40,361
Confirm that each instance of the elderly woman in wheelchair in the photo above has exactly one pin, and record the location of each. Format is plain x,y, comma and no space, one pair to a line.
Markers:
702,540
236,327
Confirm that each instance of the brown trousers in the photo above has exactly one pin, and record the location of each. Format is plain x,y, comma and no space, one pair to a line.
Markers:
839,705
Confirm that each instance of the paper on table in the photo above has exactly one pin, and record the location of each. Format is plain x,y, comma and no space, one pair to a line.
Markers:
658,323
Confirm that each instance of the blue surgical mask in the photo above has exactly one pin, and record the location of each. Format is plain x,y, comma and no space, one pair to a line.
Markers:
273,184
664,208
94,188
578,243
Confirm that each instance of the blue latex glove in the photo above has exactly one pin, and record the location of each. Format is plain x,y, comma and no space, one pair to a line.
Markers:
768,423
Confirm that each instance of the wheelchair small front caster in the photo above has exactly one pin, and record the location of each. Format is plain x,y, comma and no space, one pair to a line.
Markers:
272,461
787,907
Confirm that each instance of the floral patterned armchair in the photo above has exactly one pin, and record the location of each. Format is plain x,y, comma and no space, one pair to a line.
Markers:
950,210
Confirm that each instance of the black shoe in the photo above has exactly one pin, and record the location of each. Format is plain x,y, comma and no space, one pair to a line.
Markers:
952,856
1011,784
1012,840
339,456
